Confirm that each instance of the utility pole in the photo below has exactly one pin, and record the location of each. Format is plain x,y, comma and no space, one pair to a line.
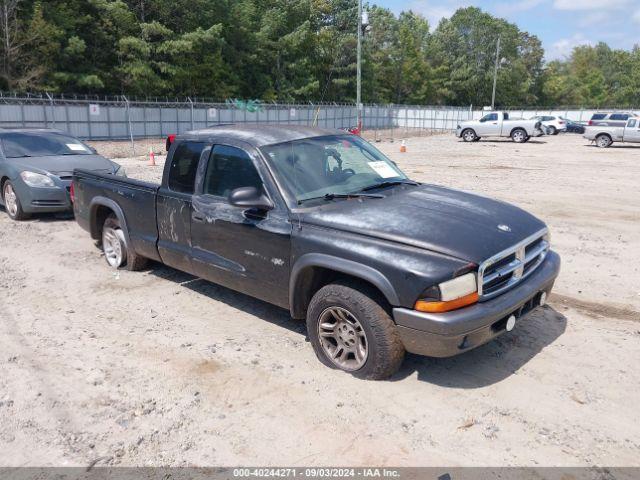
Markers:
359,67
495,76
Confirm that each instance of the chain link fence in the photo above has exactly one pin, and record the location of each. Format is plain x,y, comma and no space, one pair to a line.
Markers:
122,118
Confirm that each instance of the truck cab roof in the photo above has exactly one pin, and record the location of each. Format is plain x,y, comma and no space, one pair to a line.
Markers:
259,134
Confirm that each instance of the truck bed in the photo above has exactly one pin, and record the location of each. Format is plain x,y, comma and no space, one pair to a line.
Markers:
134,200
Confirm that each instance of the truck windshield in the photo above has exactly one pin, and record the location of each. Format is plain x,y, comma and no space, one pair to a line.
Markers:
331,166
26,144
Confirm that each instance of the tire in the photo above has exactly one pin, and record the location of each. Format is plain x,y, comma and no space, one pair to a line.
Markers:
519,135
603,141
117,252
350,330
469,135
553,131
12,204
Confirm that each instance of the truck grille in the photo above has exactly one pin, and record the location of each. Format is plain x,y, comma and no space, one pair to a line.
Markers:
506,269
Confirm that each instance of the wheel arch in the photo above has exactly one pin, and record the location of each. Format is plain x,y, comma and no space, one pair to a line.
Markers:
314,270
515,129
99,209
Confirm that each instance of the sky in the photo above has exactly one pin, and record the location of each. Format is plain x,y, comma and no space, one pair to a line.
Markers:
560,24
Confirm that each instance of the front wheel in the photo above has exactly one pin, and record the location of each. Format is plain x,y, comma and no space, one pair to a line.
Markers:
350,330
12,203
469,135
604,141
519,136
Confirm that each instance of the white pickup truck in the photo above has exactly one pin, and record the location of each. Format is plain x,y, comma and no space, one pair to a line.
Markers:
605,136
498,124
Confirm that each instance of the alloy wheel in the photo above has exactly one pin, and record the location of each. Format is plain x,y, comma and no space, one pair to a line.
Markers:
10,200
343,339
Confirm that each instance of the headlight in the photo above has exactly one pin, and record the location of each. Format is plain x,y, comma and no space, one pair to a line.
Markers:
121,172
37,180
450,295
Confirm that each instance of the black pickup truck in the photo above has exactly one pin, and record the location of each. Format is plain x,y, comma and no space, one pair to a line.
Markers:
323,224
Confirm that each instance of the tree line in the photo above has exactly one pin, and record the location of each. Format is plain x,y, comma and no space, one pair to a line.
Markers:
295,50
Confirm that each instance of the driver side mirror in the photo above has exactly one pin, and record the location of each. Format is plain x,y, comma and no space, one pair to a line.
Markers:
250,197
482,120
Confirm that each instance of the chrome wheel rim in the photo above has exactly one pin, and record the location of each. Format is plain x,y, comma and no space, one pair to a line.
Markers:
469,136
518,137
343,339
10,200
112,244
603,142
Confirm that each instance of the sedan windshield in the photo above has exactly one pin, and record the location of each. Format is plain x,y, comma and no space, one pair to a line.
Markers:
27,144
330,167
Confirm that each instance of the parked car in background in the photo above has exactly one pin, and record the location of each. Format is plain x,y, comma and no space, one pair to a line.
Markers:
552,124
575,127
498,124
36,167
321,223
606,136
615,119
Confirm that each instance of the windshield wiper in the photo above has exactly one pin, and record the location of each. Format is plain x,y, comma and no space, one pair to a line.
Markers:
389,184
331,196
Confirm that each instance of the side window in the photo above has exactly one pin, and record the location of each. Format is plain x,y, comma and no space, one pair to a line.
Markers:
492,117
632,123
505,115
619,116
230,168
598,116
184,165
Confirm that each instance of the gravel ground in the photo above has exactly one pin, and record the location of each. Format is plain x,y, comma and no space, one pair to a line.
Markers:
159,368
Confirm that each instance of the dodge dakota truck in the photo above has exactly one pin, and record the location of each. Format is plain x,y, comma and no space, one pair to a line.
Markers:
605,136
498,124
321,223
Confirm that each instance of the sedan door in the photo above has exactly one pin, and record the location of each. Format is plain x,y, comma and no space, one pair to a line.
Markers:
243,249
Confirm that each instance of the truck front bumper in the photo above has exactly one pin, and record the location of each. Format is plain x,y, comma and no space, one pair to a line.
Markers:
452,333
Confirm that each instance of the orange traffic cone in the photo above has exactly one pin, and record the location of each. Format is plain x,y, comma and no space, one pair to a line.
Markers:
152,158
403,147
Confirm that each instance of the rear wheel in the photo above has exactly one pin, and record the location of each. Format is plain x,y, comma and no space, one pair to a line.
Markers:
350,330
519,135
553,130
469,135
12,203
604,141
117,252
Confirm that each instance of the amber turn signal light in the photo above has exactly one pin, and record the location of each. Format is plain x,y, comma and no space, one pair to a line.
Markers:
440,307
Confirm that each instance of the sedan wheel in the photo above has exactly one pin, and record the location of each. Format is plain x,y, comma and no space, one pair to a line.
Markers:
343,339
12,202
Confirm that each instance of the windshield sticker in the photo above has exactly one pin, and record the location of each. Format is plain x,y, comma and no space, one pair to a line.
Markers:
76,147
383,169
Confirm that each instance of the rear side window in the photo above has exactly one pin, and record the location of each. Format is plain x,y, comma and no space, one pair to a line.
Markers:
632,123
598,116
230,168
619,116
184,165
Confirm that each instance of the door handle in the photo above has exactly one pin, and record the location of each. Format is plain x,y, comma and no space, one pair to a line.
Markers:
196,217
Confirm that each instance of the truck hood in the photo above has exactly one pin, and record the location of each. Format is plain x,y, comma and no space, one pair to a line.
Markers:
451,222
63,165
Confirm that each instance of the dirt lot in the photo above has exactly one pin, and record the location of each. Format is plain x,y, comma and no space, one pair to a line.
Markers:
159,368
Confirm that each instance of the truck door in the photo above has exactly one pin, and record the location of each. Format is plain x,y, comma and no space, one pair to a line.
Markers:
243,249
489,126
174,203
632,131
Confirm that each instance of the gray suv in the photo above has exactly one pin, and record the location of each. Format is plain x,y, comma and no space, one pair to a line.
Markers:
603,119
